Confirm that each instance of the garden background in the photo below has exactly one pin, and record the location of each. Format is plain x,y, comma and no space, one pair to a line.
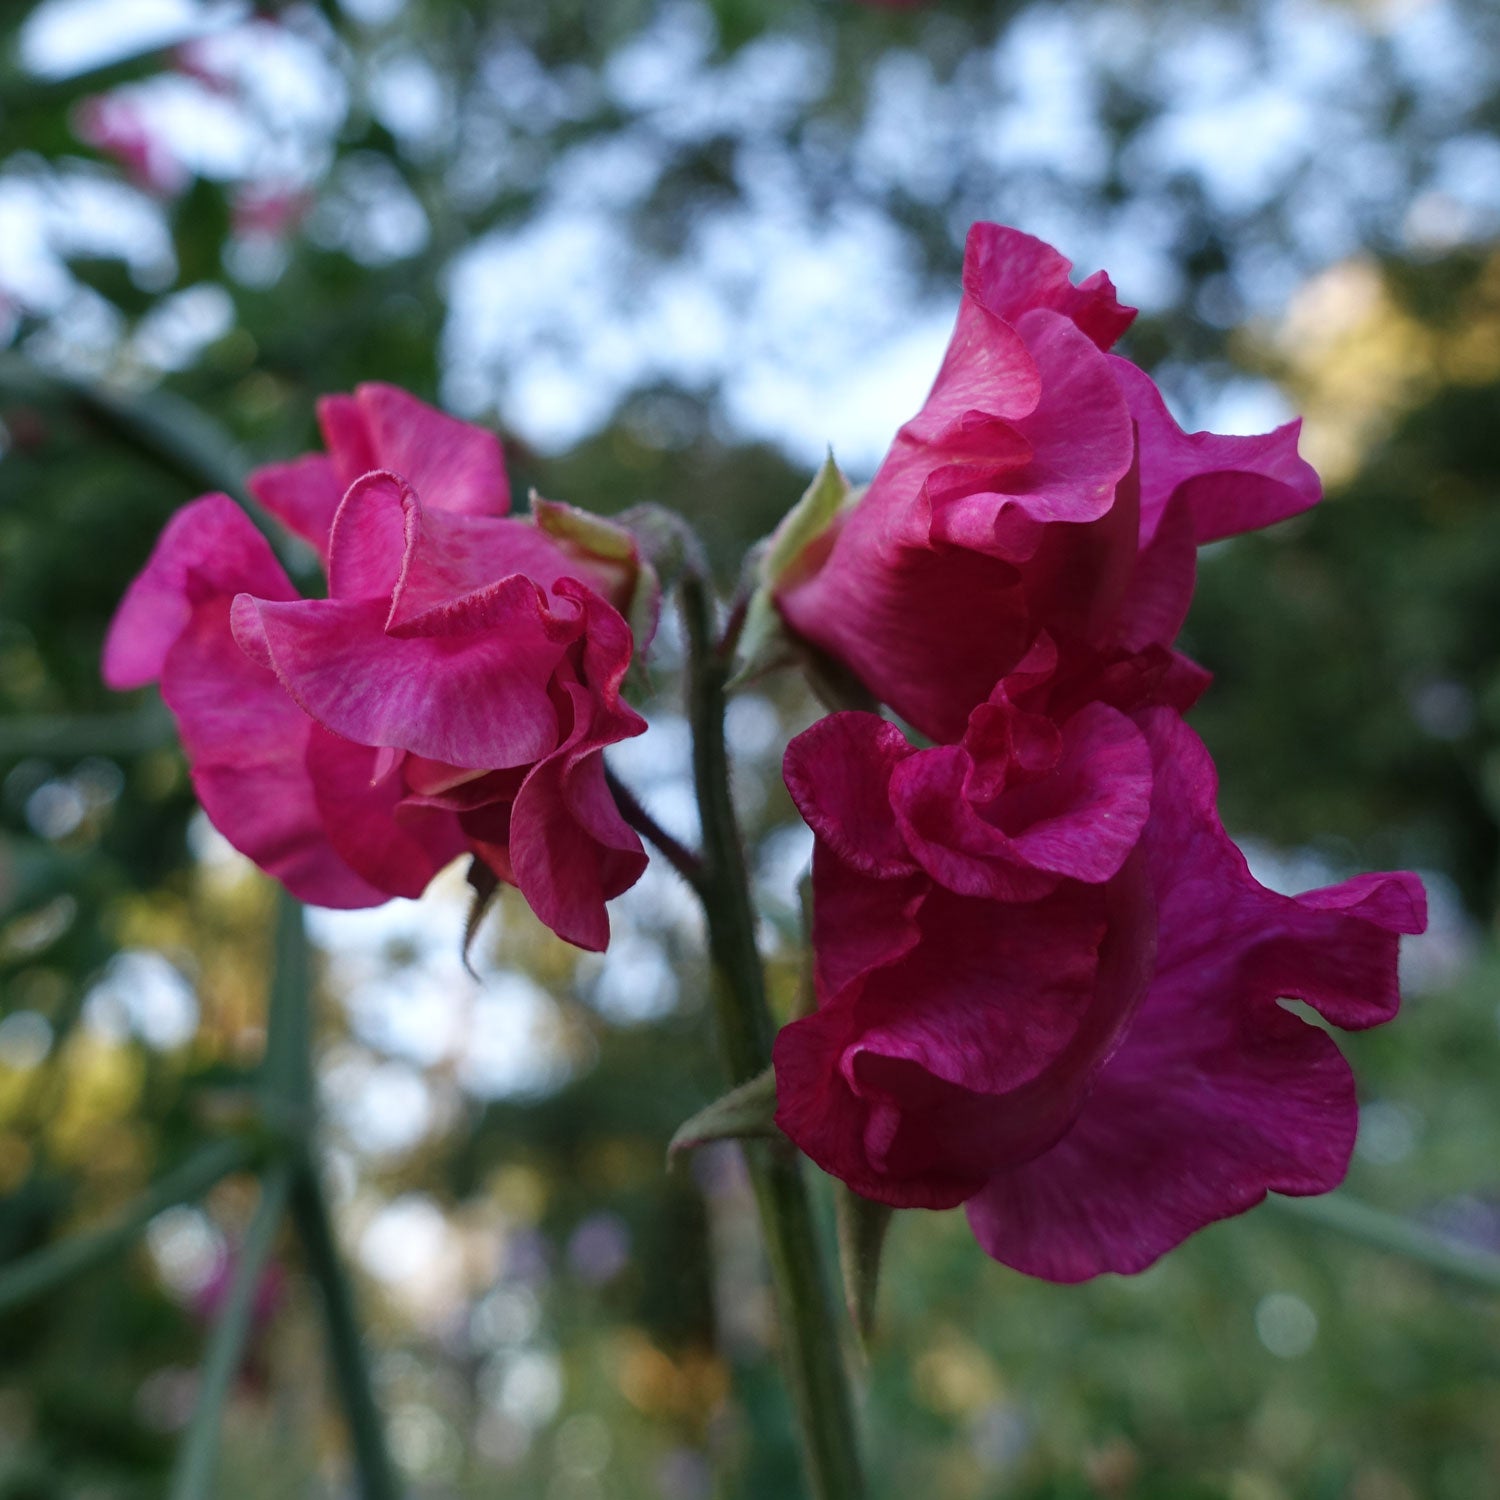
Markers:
672,251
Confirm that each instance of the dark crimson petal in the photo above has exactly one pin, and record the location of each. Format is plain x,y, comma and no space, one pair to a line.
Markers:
839,774
1218,1094
396,848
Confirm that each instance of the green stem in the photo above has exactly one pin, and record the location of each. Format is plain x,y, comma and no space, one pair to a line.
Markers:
287,1083
52,1265
1394,1235
287,1067
198,1458
372,1463
813,1353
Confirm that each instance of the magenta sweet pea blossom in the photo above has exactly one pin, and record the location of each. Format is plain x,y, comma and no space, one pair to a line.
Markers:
1042,497
455,690
1049,988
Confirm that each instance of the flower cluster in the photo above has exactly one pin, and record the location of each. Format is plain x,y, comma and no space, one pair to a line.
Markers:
454,691
1048,987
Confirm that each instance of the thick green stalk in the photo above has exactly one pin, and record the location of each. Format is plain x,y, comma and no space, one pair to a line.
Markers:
1391,1233
372,1463
52,1265
287,1084
198,1457
813,1352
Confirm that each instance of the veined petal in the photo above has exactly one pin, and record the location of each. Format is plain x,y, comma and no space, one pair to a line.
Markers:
303,495
1009,273
396,848
1218,1094
246,744
1232,484
453,465
475,697
210,549
839,774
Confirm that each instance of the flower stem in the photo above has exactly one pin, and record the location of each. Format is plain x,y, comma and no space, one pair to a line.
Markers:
1396,1236
812,1352
688,864
52,1265
372,1463
289,1087
197,1459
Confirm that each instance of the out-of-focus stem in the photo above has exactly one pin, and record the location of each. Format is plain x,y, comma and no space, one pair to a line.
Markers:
351,1372
1394,1235
198,1457
52,1265
288,1086
812,1349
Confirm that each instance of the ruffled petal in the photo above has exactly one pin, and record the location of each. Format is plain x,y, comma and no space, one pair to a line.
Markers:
246,744
474,696
1010,273
452,465
917,1104
570,850
839,774
1232,484
389,544
1218,1094
209,549
303,495
1081,443
1079,819
928,631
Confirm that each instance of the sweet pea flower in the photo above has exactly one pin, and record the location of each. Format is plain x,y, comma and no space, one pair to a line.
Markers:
1043,493
453,692
1049,988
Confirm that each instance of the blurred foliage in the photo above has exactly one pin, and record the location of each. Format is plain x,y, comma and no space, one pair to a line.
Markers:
577,1322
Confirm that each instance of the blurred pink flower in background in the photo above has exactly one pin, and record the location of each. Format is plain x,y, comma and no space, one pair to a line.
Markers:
114,125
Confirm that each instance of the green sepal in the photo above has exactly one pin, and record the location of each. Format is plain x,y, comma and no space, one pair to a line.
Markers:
764,643
744,1113
611,542
590,533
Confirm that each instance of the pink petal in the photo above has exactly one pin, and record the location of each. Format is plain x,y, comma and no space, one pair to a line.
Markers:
347,437
986,369
1160,589
1218,1094
1079,819
1009,273
209,549
917,1104
903,619
1081,441
476,696
246,744
396,849
452,465
388,544
839,774
570,850
303,494
1231,484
